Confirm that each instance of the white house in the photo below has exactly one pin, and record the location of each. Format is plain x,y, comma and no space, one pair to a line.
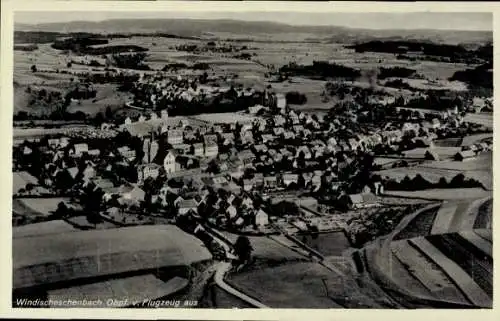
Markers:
169,162
261,218
211,150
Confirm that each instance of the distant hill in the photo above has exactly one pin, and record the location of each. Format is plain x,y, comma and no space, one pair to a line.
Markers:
202,28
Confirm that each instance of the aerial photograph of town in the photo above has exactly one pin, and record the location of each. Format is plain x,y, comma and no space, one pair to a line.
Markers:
252,160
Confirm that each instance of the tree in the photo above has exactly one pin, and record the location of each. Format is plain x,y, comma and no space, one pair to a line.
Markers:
33,68
108,113
61,211
243,249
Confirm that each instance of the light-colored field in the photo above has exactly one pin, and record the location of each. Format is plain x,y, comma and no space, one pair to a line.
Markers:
431,174
267,249
477,138
20,179
297,285
225,118
43,206
483,162
443,152
485,119
43,228
83,254
443,194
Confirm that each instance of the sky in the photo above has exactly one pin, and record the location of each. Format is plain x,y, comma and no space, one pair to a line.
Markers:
420,20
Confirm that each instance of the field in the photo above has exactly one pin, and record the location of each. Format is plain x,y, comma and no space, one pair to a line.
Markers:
442,194
332,243
297,285
225,118
485,119
36,206
443,152
20,179
268,250
473,139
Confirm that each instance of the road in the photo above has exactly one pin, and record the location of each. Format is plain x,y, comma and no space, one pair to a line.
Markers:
221,271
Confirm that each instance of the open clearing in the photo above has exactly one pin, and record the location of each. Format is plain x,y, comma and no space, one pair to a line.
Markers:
267,249
443,194
37,206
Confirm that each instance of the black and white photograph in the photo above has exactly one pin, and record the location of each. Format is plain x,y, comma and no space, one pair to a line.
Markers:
252,160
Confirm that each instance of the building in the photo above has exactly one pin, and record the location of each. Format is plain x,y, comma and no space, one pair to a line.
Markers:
150,148
280,101
198,149
175,137
211,150
261,218
147,170
364,200
465,155
231,211
126,152
270,182
79,149
170,162
185,206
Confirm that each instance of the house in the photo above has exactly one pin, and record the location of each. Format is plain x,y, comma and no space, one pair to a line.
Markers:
239,221
261,218
258,179
89,172
279,121
94,152
53,142
365,200
247,202
147,170
260,148
270,182
182,148
128,121
298,128
170,162
131,194
175,136
280,101
305,151
185,206
255,109
246,156
278,131
288,134
248,184
27,150
126,152
465,155
198,149
73,171
227,138
268,138
290,178
79,149
211,150
431,155
247,137
211,138
232,211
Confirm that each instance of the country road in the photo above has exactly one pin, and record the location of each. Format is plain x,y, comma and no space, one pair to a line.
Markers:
221,271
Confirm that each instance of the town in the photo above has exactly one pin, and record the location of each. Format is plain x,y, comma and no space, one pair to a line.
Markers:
251,182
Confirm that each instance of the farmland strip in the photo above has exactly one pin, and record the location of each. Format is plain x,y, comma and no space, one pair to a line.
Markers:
478,267
471,214
418,266
444,218
477,241
485,234
471,290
